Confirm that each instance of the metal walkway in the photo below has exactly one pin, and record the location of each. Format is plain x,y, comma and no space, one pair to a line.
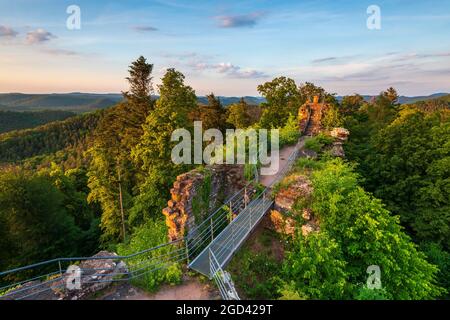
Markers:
229,240
207,249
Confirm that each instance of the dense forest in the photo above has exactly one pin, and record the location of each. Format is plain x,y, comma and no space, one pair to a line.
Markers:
10,120
101,179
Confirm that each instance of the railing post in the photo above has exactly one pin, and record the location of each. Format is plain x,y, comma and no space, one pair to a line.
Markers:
60,269
250,218
212,229
232,236
210,264
245,197
187,250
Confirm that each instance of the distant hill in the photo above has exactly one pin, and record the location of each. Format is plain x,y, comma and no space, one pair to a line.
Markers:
11,120
82,102
226,101
405,99
73,102
431,105
85,102
49,138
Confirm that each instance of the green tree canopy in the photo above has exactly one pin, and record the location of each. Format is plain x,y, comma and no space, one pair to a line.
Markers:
282,99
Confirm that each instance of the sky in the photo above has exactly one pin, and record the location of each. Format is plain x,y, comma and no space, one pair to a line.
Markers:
226,47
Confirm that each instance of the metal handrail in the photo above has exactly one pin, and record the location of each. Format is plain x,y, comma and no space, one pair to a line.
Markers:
199,240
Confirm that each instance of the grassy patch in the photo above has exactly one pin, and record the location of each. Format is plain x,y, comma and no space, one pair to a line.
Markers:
318,142
256,267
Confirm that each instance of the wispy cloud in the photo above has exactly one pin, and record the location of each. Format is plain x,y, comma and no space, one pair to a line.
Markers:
230,70
7,32
327,59
145,28
60,52
239,21
39,36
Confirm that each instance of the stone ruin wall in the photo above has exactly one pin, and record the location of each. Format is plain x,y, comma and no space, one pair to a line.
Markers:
225,181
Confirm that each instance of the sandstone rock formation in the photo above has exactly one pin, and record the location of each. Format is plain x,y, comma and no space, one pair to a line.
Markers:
310,117
224,181
340,135
285,217
96,275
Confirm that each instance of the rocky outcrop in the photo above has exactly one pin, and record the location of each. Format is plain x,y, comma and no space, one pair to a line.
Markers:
340,135
285,217
188,192
310,117
95,276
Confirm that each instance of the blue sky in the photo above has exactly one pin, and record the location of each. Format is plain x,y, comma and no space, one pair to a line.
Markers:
227,47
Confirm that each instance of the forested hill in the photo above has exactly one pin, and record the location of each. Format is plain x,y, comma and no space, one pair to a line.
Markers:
84,102
433,104
48,138
11,120
75,102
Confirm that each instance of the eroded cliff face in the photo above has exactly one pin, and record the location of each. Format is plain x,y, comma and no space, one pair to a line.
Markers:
291,211
196,193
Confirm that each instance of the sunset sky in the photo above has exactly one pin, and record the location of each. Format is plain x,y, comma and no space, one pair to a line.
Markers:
227,47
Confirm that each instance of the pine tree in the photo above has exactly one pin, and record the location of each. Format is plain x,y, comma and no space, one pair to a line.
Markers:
153,153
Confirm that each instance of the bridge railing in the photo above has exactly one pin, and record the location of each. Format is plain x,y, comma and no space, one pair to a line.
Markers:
222,279
41,280
201,236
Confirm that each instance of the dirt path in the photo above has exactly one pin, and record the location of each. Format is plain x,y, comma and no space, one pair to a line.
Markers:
190,289
285,152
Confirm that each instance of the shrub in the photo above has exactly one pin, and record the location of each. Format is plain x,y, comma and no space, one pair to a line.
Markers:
318,142
290,133
365,293
151,234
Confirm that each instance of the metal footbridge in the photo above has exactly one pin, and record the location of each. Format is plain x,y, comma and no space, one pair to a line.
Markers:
207,248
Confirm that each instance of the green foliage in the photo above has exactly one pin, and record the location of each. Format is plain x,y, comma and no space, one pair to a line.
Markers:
368,235
406,164
365,293
307,163
308,90
441,258
151,234
36,223
113,175
317,268
331,118
283,99
289,292
351,104
10,120
152,155
318,142
238,115
213,115
47,139
255,272
200,203
290,133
